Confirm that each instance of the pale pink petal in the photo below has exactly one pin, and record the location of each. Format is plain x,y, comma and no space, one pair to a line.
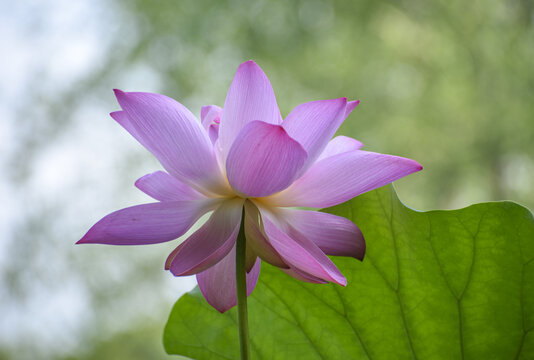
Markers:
350,106
256,238
212,242
147,223
169,130
313,124
339,145
302,276
249,98
163,187
333,234
210,114
213,132
299,252
263,160
341,177
211,118
218,283
122,118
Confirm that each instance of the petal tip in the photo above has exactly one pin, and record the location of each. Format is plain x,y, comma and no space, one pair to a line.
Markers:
351,105
119,95
92,236
342,281
340,99
173,270
249,62
118,92
411,165
361,255
418,167
84,240
250,67
138,182
337,277
222,305
222,310
115,115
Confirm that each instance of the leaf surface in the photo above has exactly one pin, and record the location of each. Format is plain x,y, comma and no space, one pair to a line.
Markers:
434,285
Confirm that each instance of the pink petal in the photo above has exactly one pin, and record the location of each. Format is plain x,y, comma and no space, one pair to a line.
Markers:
163,187
300,253
256,238
302,276
350,106
249,98
218,284
334,235
122,118
339,145
263,160
169,130
213,132
147,223
210,114
313,124
341,177
212,242
211,118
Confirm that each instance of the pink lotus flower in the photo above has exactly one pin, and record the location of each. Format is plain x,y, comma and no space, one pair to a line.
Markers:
245,155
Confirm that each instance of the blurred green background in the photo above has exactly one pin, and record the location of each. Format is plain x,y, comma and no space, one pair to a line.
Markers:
447,83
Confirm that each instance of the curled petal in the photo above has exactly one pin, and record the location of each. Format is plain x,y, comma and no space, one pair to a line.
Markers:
257,240
218,284
163,187
211,118
169,130
213,132
263,160
334,235
209,244
300,253
147,224
339,145
210,114
250,97
341,177
313,124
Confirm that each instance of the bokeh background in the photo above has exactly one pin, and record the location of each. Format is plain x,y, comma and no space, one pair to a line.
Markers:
448,83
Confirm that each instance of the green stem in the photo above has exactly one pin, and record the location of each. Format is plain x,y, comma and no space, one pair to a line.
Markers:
241,282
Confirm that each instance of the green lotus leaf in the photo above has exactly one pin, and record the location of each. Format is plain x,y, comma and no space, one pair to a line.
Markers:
453,284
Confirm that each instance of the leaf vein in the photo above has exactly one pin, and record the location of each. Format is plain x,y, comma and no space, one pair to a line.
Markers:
397,260
356,332
300,327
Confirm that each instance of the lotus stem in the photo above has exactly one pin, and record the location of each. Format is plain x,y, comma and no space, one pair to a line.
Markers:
241,286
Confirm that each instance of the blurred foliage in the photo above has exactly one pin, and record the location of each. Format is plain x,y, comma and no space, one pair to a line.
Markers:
140,343
445,82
